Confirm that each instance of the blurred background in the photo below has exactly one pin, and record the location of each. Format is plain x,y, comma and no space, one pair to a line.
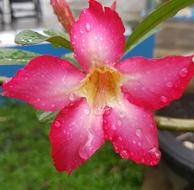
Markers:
25,161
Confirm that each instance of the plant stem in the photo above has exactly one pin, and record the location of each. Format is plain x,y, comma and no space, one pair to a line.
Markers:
175,124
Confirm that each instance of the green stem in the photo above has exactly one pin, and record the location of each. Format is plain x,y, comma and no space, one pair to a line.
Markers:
175,124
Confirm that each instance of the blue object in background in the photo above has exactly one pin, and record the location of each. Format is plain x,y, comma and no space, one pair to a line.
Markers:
146,49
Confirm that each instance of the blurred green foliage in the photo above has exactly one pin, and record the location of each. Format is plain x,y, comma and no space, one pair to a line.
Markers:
25,162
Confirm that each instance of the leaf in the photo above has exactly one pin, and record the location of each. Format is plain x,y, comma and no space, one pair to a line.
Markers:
29,37
11,56
70,58
3,79
46,116
52,32
162,13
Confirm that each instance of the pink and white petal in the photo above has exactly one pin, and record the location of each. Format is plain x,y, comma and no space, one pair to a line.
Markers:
133,133
75,135
154,83
98,36
46,83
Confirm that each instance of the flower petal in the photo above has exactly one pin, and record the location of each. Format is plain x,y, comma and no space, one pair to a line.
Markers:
98,36
154,83
133,133
75,135
46,83
64,13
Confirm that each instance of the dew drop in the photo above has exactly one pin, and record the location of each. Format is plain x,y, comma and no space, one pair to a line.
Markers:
113,127
81,31
139,144
38,99
73,123
86,111
120,138
169,84
72,97
122,115
134,142
88,27
138,132
100,47
95,37
57,124
124,154
183,73
131,153
119,123
163,99
155,152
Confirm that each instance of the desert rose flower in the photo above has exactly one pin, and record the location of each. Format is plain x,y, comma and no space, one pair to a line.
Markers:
111,100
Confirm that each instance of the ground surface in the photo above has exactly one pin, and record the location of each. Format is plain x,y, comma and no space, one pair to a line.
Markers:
25,162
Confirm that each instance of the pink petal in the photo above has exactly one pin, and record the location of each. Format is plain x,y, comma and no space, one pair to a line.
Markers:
154,83
114,5
64,13
75,135
133,133
98,36
47,82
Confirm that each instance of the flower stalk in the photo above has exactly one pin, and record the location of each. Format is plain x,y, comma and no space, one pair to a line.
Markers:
175,124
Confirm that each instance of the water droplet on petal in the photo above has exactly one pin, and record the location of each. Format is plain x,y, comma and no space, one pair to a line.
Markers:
100,47
183,73
154,152
124,154
113,127
81,31
138,132
169,84
86,111
72,97
139,143
88,27
122,115
57,124
119,123
134,142
163,99
131,153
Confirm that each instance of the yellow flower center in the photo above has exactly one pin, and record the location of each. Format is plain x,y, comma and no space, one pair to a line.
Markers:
101,86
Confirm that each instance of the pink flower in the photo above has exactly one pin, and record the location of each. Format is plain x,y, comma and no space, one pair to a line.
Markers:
113,101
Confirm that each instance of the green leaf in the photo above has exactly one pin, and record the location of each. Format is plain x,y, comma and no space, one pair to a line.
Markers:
3,79
70,58
52,32
46,116
162,13
29,37
11,56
